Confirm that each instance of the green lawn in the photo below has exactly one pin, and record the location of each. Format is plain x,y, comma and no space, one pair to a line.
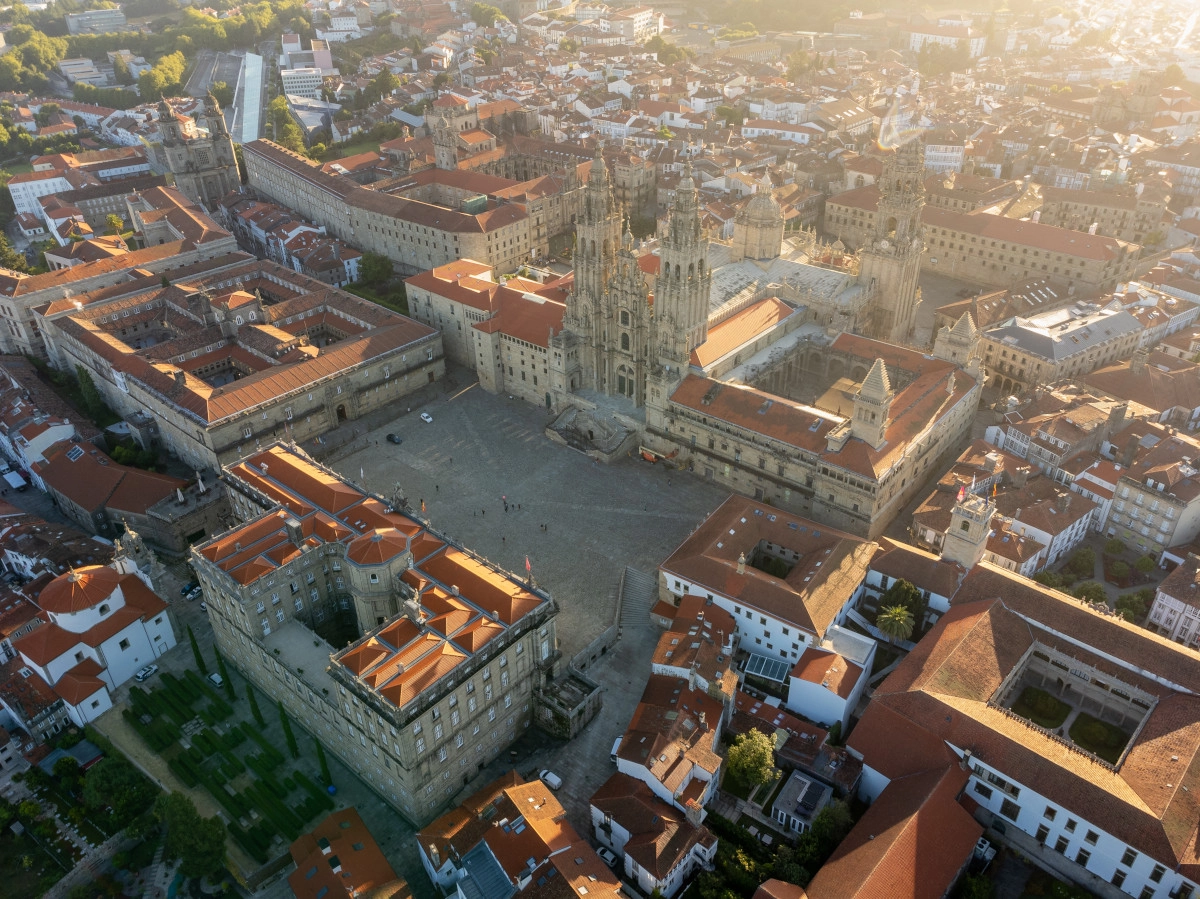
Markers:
1041,708
1099,737
352,148
736,786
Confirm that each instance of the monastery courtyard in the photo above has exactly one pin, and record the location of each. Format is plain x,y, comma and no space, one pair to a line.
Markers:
599,518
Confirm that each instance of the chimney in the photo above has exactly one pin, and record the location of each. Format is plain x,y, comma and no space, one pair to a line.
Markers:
1064,500
1020,476
181,377
1116,417
741,568
965,762
293,530
434,856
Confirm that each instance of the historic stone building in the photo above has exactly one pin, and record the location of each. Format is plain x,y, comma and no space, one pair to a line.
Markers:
226,360
203,164
448,651
891,262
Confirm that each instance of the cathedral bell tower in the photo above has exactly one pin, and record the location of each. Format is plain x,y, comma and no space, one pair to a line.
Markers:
445,143
681,291
891,262
597,237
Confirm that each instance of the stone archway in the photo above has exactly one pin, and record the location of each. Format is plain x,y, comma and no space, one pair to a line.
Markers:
341,413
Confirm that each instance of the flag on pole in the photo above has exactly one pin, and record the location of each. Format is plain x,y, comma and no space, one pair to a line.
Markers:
528,569
993,491
962,492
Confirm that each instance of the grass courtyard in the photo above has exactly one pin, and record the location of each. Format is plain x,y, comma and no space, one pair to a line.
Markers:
1099,737
191,726
1041,708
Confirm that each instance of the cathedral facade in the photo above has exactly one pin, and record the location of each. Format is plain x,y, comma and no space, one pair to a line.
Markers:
203,165
615,340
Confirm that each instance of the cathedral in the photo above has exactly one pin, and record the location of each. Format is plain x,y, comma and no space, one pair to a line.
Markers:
774,366
615,339
203,164
624,335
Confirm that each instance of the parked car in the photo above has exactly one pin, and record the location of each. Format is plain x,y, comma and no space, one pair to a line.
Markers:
203,607
395,438
216,679
610,857
148,671
188,588
195,594
549,778
427,418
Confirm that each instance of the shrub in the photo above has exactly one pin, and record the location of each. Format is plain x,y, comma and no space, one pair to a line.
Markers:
1145,564
1119,570
1114,547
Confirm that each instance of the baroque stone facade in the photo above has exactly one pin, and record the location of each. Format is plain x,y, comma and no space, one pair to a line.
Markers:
203,165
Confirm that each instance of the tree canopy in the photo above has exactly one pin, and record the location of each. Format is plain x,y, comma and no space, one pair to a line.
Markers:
114,783
896,622
751,758
199,843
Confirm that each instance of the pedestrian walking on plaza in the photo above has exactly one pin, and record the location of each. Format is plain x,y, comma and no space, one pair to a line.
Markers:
437,489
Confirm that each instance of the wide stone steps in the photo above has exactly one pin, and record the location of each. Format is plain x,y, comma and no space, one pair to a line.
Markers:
638,596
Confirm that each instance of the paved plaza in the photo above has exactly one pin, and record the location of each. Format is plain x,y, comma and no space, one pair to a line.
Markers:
481,449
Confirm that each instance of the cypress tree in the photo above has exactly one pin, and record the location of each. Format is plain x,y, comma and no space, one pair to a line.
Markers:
196,652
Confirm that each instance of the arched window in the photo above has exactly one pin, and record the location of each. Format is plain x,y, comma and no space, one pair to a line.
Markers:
625,341
624,317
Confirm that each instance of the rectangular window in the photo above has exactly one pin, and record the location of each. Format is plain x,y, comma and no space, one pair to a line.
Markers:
1082,857
1157,874
1129,857
1118,877
1010,810
1091,837
984,791
1050,813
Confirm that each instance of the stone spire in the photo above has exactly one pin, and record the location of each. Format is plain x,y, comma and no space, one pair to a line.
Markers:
872,406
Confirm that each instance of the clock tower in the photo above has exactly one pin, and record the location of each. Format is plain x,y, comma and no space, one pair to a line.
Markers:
891,263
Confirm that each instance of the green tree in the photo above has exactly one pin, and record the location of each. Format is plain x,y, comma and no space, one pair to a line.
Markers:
385,82
66,768
199,843
484,15
258,716
751,758
10,258
896,622
440,80
113,224
374,268
1049,579
93,401
731,115
1113,547
1119,570
1145,564
1091,592
28,809
225,679
114,783
903,593
1174,75
196,651
1083,562
121,71
830,827
1132,606
293,746
222,92
326,777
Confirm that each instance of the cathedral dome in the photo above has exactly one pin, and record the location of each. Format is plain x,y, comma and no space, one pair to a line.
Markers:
761,210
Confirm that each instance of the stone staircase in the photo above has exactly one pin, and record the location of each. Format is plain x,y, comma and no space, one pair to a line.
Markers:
639,593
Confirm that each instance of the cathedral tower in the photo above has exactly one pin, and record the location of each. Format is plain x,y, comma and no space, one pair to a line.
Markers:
891,262
597,237
873,406
445,143
681,291
628,325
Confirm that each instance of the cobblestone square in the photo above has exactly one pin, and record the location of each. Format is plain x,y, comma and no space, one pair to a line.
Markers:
482,451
